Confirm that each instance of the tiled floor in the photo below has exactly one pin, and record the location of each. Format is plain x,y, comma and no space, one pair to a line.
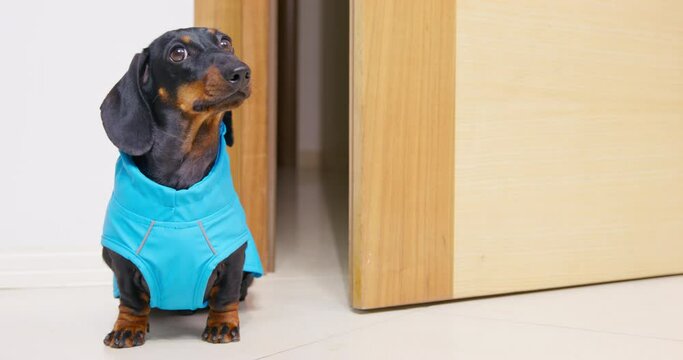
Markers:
302,312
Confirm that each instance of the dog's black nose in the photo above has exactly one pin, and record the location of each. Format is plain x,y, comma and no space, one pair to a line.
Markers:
239,76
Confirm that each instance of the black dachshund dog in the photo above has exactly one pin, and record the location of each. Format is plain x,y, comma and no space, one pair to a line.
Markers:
166,114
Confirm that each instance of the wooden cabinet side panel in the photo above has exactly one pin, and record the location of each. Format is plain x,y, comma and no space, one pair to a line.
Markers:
402,119
569,143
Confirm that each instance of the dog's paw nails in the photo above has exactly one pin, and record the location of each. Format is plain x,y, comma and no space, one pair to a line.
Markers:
124,338
127,335
108,339
116,340
139,338
235,334
220,334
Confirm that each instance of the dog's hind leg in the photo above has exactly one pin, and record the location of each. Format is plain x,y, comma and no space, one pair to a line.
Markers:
132,323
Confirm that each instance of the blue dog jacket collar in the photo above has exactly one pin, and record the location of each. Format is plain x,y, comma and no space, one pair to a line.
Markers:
176,238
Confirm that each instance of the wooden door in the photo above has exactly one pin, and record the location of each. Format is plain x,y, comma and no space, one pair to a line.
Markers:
506,146
251,25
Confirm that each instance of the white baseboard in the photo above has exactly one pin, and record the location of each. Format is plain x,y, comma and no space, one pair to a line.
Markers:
53,269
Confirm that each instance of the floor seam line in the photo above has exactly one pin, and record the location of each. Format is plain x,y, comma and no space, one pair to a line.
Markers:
568,327
338,334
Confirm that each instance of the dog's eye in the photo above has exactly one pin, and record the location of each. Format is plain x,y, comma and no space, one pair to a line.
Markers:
225,43
178,54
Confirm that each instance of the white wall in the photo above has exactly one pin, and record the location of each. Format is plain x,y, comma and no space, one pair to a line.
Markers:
59,59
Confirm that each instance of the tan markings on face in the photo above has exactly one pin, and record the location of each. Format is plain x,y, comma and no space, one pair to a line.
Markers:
212,86
201,127
163,94
211,31
188,93
185,39
216,85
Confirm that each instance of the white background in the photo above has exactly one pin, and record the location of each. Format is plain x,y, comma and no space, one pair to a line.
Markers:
58,60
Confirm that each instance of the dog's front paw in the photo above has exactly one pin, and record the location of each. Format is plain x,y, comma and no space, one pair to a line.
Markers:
223,333
125,338
222,327
129,330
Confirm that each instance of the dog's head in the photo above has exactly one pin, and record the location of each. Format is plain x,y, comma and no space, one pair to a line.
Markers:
193,72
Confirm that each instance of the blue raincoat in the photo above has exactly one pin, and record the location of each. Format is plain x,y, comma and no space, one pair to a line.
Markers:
177,237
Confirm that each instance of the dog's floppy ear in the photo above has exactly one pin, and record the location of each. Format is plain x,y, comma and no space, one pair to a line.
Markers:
126,115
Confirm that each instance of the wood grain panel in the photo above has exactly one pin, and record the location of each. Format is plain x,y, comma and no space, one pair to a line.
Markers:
248,23
569,143
402,114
